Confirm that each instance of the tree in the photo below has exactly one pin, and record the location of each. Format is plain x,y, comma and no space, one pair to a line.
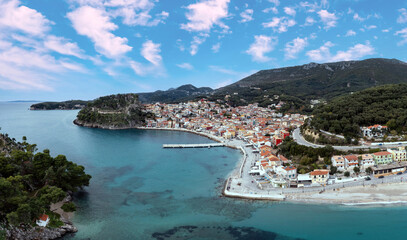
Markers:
333,170
346,174
369,170
356,170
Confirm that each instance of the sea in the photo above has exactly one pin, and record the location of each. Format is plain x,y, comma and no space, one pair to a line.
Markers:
141,191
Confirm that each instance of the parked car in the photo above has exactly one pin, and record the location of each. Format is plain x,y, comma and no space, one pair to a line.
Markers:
367,178
381,177
399,173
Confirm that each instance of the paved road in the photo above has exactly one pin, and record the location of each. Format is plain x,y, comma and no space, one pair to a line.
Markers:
297,136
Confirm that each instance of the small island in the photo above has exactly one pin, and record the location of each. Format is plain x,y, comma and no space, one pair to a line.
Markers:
66,105
36,191
119,111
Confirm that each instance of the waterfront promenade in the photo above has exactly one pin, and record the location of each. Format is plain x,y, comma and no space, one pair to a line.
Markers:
198,145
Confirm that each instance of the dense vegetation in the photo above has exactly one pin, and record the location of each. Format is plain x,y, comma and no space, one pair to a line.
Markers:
386,105
121,110
314,81
30,181
307,158
67,105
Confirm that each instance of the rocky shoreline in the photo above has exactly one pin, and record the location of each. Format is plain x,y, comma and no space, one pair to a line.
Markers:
46,233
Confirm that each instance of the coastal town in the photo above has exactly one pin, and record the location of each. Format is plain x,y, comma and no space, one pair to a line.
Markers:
257,132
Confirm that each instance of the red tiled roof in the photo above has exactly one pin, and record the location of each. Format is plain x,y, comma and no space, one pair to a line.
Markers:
44,217
319,172
351,157
381,153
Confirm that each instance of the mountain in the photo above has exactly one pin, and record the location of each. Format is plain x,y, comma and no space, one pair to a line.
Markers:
316,81
378,105
182,93
113,112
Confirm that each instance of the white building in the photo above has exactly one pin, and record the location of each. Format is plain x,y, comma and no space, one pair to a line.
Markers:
367,161
43,221
339,162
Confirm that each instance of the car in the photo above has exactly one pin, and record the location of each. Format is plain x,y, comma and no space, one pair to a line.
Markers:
381,177
367,178
399,173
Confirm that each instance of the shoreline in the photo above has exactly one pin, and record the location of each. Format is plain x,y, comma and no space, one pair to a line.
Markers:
353,198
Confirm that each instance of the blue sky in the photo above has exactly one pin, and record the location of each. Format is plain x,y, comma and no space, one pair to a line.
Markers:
82,49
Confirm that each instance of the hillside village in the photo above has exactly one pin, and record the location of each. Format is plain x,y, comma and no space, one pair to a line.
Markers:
263,130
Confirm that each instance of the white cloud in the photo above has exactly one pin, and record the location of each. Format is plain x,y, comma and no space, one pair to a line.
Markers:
310,7
323,54
63,46
224,70
403,34
276,2
386,30
289,11
262,44
309,21
358,18
294,47
403,16
196,41
370,27
187,66
350,33
280,24
203,15
247,15
96,24
151,52
329,19
216,47
22,18
270,9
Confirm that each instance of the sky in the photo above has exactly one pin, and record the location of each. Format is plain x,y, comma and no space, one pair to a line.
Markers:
82,49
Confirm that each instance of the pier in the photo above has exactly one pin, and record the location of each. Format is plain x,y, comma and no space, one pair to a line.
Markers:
198,145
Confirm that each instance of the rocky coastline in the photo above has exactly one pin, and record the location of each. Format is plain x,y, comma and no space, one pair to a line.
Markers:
30,233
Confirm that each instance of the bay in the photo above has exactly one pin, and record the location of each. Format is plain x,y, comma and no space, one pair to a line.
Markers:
141,191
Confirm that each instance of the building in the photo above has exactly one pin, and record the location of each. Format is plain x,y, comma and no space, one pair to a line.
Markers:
43,220
289,172
339,162
351,161
389,169
399,154
367,161
319,176
382,157
374,131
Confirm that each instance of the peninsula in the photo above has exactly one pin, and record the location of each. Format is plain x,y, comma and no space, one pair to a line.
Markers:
36,191
119,111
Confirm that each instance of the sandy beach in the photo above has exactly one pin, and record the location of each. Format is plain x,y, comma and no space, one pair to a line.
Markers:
390,193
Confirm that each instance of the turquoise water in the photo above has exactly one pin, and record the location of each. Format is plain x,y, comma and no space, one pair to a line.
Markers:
141,191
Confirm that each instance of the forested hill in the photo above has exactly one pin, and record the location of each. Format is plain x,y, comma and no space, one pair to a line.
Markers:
378,105
316,81
30,181
113,112
182,93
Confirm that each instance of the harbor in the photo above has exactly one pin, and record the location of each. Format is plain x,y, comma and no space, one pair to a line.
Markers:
198,145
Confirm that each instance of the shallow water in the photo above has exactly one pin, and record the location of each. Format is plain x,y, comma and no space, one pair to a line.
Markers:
141,191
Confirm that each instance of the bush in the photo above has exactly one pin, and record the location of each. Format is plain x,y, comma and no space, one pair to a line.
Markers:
69,207
347,174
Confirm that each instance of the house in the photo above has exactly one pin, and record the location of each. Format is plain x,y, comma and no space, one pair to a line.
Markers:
367,161
289,172
399,154
319,176
43,220
351,161
304,180
382,157
339,162
374,131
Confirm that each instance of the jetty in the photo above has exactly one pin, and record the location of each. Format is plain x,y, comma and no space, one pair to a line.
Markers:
197,145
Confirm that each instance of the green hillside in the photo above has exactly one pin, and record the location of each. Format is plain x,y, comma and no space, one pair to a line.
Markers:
378,105
315,81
